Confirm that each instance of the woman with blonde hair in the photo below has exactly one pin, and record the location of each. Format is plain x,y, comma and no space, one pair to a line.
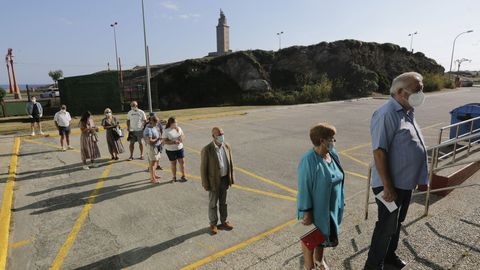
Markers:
114,139
320,198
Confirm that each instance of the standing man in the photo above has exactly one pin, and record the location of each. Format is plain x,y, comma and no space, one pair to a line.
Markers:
217,176
62,121
35,112
400,164
136,120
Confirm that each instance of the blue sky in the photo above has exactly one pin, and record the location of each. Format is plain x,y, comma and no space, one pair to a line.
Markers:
76,36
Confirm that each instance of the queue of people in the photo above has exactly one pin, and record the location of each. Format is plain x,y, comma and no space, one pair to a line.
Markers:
321,178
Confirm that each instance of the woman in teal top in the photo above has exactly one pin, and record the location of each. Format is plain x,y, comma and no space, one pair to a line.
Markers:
320,198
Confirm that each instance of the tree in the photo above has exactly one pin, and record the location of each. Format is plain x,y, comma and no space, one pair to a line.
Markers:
55,75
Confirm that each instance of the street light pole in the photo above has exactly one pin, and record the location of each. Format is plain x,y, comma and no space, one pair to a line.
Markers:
115,40
453,48
411,40
280,40
147,64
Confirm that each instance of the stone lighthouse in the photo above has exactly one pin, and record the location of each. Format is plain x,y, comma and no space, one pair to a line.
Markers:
223,36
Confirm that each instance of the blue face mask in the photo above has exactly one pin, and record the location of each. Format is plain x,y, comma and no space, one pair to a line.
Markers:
220,138
330,146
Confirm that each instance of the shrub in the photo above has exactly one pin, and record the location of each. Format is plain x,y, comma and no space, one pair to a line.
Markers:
435,82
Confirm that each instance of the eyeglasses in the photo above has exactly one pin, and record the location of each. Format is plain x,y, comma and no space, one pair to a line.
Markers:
332,140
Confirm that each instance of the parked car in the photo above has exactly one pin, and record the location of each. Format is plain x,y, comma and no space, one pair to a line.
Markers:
50,93
466,83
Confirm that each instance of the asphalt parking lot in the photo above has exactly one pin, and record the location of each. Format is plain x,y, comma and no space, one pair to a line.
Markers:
111,217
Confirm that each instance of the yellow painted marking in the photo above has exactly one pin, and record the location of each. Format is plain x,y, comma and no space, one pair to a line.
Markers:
193,125
356,160
354,148
20,243
213,115
293,191
236,168
63,252
193,150
5,211
47,144
356,174
236,247
270,194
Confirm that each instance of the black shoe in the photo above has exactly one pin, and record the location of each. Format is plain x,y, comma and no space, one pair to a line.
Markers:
395,261
369,267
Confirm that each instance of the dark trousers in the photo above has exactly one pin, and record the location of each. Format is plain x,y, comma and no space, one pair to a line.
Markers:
387,229
218,196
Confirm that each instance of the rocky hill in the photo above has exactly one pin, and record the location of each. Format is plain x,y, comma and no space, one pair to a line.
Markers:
336,70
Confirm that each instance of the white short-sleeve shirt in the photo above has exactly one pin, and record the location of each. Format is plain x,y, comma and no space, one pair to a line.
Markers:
137,119
173,135
62,118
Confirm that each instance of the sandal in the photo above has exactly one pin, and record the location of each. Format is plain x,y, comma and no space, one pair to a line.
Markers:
183,179
174,179
130,158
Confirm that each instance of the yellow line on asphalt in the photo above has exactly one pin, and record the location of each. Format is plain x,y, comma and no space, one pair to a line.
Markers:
266,180
356,159
6,210
236,247
63,252
270,194
261,178
20,243
354,148
356,174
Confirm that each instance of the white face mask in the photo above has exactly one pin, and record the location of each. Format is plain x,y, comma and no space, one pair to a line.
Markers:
108,114
330,146
34,100
416,99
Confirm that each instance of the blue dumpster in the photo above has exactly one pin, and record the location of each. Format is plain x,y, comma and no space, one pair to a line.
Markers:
462,113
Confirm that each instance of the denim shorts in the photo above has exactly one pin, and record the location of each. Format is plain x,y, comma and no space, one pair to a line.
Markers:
174,155
63,131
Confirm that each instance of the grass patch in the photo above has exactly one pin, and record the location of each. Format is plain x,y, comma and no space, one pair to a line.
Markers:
20,124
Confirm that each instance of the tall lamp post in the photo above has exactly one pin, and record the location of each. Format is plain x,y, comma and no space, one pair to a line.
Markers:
147,62
453,48
115,40
279,34
411,40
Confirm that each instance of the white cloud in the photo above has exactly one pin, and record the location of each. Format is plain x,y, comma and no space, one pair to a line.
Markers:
188,16
169,5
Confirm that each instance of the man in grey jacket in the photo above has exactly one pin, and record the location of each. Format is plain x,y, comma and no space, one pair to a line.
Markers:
35,113
217,176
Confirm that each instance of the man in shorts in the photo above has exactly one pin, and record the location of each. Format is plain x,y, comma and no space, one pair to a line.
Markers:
136,120
35,113
62,121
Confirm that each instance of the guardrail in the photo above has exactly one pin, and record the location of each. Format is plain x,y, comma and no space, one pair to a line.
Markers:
472,137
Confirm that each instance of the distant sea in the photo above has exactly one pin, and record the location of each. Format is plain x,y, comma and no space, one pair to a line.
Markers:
23,87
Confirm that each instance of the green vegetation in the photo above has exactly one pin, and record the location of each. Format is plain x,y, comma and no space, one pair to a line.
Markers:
435,82
55,75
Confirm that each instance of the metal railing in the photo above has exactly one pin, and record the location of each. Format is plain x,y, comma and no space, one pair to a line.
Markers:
471,138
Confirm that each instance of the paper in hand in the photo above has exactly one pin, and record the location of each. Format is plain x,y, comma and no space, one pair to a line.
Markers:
391,206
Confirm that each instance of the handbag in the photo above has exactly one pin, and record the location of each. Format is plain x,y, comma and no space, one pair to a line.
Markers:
117,132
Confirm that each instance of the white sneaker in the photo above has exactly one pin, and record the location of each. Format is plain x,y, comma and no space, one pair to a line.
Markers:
33,133
86,167
95,165
41,133
70,148
64,149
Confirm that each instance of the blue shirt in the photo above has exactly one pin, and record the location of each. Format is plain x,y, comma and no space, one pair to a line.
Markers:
320,190
395,130
152,132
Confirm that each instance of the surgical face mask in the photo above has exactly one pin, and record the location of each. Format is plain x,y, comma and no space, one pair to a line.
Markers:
34,100
108,114
330,146
416,99
220,138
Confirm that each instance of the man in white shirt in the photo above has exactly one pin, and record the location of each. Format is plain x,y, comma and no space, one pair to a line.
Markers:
136,120
62,121
217,176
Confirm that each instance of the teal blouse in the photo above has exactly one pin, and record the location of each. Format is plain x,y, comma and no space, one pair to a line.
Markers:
320,190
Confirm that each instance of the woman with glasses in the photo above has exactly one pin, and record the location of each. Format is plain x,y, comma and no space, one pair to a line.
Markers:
320,198
114,141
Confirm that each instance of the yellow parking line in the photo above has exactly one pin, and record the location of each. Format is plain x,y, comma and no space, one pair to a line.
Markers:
20,243
270,194
5,211
236,247
356,174
356,159
261,178
63,252
293,191
354,148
